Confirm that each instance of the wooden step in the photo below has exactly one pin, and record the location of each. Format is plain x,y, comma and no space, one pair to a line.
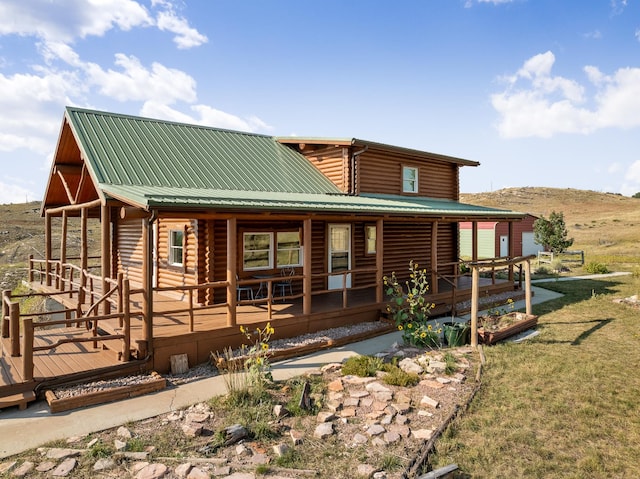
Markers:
20,400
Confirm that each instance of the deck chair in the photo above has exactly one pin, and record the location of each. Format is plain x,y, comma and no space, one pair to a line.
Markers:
246,290
284,284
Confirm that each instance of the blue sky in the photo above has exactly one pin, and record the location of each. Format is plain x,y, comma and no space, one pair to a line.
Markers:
540,92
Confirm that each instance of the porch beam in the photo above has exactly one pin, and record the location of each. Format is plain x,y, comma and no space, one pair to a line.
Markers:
434,257
83,178
379,260
61,171
76,207
232,270
306,266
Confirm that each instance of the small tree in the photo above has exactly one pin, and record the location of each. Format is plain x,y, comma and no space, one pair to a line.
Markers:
552,233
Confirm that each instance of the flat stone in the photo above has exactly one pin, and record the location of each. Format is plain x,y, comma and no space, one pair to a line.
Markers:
45,466
335,385
333,405
375,415
422,433
377,388
386,420
404,430
197,473
442,380
241,475
408,365
183,469
360,439
351,379
65,467
92,443
323,430
7,466
375,430
383,396
260,459
192,429
431,383
280,449
242,450
378,442
358,394
437,367
58,453
152,471
119,445
379,405
391,437
366,402
351,402
380,475
124,433
424,413
401,419
222,470
198,417
331,367
104,464
401,408
427,401
325,416
366,470
348,412
280,411
23,469
296,437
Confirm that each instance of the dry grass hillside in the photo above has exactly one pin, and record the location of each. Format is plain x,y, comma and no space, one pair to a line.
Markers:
605,225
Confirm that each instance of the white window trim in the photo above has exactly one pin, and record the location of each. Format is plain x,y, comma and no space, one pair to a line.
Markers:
405,181
173,247
270,250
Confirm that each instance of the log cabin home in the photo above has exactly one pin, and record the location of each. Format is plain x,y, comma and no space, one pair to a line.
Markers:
203,229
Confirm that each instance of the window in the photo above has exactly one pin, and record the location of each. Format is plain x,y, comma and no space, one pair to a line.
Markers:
176,247
257,251
370,239
409,179
261,252
288,249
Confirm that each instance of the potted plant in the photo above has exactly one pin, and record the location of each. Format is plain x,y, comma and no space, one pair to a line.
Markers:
499,324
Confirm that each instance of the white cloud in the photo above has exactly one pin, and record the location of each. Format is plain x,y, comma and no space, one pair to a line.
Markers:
206,116
186,37
13,193
536,103
631,183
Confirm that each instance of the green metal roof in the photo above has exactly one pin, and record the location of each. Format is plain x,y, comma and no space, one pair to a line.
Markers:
133,151
160,164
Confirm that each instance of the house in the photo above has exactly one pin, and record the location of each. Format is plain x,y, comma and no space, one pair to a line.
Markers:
204,229
493,238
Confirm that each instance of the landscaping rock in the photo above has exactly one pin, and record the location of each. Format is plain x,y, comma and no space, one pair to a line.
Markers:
323,430
65,468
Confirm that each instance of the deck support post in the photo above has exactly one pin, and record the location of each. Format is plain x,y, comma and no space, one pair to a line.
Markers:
475,296
105,266
474,241
63,247
84,255
379,261
27,348
306,267
232,252
434,257
14,324
511,250
126,320
47,248
6,296
147,285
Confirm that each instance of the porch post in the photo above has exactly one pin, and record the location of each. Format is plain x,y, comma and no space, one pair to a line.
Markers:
475,296
434,258
83,253
63,247
47,248
527,286
474,241
306,266
147,285
379,261
511,250
232,252
105,266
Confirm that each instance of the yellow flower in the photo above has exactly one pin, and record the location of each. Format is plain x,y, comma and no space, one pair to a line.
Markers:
430,327
242,330
400,328
265,346
423,335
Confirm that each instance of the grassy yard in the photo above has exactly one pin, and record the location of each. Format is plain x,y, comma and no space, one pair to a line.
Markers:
565,404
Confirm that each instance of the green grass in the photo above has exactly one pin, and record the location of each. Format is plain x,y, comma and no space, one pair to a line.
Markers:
564,404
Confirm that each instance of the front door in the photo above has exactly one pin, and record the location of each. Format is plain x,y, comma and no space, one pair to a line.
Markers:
339,255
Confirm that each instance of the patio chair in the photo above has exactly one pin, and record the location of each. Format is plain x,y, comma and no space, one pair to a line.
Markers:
285,284
247,290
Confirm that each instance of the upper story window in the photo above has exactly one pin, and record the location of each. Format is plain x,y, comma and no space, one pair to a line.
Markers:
266,250
176,247
409,179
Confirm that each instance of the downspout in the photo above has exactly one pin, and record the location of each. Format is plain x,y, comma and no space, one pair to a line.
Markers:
352,167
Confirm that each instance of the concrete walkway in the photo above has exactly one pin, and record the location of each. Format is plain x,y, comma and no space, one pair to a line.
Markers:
22,430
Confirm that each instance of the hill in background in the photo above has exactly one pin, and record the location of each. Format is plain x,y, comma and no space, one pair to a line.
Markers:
605,225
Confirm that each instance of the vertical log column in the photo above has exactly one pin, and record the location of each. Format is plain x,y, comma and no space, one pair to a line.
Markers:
147,285
232,253
511,250
306,266
475,297
474,241
47,248
63,249
379,261
434,257
105,266
84,255
527,286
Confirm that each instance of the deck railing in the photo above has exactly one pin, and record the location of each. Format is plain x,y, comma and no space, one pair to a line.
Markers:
14,321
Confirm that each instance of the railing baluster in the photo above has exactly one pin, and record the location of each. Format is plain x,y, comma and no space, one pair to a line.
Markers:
14,333
27,348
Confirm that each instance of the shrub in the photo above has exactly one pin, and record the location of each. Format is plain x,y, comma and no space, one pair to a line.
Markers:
596,268
363,366
397,377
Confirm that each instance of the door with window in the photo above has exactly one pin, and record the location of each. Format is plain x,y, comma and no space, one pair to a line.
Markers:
339,255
